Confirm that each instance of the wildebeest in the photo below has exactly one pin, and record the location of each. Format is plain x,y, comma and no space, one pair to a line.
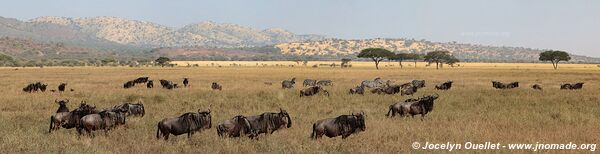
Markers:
131,109
34,87
360,89
61,87
500,85
408,90
344,125
168,84
393,89
150,84
128,84
377,82
70,119
287,84
413,107
269,122
185,82
62,105
325,83
189,123
309,82
105,120
141,80
42,86
313,90
235,127
537,87
418,83
574,86
444,86
216,86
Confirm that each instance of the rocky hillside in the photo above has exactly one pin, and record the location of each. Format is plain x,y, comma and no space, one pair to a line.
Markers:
466,52
28,49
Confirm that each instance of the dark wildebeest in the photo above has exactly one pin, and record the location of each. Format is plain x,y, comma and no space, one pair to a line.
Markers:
141,80
235,127
71,119
393,89
344,125
128,84
150,84
444,86
185,82
377,82
216,86
30,88
500,85
309,82
132,109
287,84
168,84
575,86
325,83
537,87
312,91
189,123
360,89
413,107
105,120
408,91
62,106
418,83
61,87
269,122
42,87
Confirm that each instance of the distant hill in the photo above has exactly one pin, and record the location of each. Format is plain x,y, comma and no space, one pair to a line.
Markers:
32,50
465,52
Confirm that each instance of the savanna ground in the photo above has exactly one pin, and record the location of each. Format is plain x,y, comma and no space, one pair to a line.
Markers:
471,111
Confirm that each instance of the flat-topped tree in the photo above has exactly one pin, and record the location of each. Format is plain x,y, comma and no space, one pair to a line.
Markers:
554,57
376,54
162,61
439,58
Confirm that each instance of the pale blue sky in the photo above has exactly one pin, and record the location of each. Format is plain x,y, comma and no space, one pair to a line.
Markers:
571,25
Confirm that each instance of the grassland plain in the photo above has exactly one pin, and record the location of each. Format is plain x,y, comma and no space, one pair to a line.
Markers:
471,111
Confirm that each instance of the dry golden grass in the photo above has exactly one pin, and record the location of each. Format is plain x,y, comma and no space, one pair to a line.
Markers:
471,111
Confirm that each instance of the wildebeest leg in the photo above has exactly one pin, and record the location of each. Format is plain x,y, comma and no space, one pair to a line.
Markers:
50,130
166,136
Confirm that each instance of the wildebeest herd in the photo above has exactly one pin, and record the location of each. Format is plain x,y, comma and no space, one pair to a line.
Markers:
87,118
39,86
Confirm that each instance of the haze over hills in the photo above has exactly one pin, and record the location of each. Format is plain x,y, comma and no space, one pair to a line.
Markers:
117,37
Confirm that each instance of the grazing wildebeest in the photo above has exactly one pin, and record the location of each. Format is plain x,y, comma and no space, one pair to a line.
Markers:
235,127
34,87
61,87
269,122
128,84
360,89
105,120
30,88
422,106
62,105
312,91
500,85
418,83
574,86
168,84
185,82
132,109
309,82
344,125
393,89
216,86
377,82
150,84
537,87
141,80
325,83
287,84
408,91
42,87
71,119
189,123
444,86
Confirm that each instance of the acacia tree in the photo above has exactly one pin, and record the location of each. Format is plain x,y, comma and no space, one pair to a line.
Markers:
554,57
400,57
415,57
376,54
162,61
439,58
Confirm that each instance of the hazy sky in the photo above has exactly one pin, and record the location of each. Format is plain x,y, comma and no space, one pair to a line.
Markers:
571,25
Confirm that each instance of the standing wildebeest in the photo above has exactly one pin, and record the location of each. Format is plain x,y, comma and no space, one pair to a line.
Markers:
309,82
325,83
216,86
537,87
444,86
574,86
128,84
185,82
168,84
413,107
235,127
360,89
287,84
42,86
418,83
71,119
344,125
393,89
61,87
105,120
269,122
141,80
187,123
132,109
377,82
34,87
312,91
500,85
150,84
62,106
408,91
